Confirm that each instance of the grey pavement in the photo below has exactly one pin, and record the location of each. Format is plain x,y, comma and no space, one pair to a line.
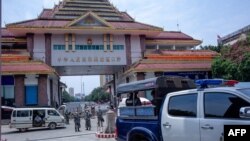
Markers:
59,134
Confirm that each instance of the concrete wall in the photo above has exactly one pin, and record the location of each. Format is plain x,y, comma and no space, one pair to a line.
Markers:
149,75
135,48
30,80
39,47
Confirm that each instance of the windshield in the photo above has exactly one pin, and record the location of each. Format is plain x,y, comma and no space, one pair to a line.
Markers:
245,91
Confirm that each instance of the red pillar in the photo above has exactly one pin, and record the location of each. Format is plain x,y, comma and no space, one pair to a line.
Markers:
128,49
19,90
48,48
42,90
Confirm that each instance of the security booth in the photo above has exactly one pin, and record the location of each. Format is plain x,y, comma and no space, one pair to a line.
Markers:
151,93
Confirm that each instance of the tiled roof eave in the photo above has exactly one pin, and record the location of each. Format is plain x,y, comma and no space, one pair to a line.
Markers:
174,41
27,67
170,70
27,72
29,28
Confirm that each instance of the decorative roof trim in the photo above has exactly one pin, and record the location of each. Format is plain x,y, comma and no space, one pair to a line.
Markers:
16,23
174,41
13,40
101,20
84,28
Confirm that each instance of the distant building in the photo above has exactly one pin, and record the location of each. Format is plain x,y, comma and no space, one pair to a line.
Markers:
71,91
104,79
79,95
232,38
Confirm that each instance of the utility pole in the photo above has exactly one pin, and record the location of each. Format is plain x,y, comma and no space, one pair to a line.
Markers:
1,69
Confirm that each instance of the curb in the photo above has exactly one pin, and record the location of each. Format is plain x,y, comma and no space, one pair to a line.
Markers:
105,135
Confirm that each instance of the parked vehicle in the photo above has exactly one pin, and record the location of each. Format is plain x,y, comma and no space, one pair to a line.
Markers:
6,112
25,118
195,114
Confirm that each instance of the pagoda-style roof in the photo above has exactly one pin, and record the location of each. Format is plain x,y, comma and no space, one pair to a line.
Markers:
30,67
172,38
18,62
173,55
98,17
71,9
176,35
38,23
6,33
86,15
174,61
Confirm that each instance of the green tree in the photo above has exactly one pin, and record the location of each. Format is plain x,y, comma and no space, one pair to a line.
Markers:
217,68
244,68
226,69
98,95
66,97
234,62
213,48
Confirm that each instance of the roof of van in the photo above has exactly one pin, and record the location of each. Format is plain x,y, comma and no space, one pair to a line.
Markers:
40,108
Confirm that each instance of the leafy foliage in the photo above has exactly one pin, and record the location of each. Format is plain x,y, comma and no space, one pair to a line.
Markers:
98,95
234,62
244,68
213,48
67,98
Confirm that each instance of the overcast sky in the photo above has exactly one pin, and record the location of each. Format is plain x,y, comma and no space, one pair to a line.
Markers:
201,19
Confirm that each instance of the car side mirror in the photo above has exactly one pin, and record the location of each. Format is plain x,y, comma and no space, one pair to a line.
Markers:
245,112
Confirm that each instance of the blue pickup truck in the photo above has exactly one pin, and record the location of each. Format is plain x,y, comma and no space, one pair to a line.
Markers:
181,115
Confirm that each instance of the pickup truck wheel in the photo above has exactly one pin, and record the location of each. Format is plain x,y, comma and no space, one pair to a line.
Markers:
52,126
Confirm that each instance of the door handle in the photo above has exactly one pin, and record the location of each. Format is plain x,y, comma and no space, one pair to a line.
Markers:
207,127
166,125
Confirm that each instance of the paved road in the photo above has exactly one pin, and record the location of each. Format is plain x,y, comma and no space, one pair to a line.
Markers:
61,134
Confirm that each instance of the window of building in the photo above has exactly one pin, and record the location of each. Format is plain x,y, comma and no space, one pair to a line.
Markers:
90,47
183,105
7,88
223,105
151,47
118,47
59,47
166,47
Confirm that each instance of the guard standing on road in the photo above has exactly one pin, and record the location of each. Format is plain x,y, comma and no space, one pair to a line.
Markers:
77,121
67,113
87,120
100,120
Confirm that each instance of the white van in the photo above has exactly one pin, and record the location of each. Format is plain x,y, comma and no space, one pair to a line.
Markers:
25,118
